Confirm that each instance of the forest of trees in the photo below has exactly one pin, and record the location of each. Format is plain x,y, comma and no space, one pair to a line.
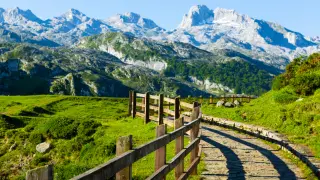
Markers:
238,75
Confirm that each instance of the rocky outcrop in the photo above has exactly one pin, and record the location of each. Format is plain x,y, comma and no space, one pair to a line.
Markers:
43,147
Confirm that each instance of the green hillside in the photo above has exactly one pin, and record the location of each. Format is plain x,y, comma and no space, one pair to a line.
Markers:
184,61
291,108
82,131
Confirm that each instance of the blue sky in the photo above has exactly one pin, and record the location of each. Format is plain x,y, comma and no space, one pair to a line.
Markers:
302,16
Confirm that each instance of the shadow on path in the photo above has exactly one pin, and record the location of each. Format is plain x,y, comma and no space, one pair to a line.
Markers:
278,164
234,164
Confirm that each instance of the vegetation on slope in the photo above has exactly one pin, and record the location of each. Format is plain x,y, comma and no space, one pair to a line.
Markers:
184,60
82,131
239,75
292,108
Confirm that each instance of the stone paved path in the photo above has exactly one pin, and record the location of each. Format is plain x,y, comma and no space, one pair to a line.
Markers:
231,155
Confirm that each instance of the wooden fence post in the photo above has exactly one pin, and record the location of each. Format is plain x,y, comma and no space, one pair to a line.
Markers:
179,146
211,100
160,112
249,98
233,98
194,134
43,173
176,108
147,108
134,104
160,156
124,144
201,99
130,103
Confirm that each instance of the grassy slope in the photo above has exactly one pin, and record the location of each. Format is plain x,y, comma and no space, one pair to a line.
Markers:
300,121
78,153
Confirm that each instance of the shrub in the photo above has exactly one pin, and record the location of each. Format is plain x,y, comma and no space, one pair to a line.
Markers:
60,128
67,171
87,128
306,84
278,82
8,122
285,96
40,159
36,138
11,133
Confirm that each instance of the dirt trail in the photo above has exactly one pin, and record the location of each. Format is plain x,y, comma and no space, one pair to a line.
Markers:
231,155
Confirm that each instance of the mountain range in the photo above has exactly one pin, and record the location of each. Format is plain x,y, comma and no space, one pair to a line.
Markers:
207,29
211,51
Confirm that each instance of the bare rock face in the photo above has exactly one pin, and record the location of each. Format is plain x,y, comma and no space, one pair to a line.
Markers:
236,103
229,104
43,147
220,103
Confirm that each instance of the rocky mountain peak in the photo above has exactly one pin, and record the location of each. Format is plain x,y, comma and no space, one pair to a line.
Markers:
15,15
132,18
74,16
222,15
198,15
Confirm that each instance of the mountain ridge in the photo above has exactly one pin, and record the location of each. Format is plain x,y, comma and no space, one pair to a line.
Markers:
211,30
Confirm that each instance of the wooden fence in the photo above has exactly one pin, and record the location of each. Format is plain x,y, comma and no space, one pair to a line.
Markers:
158,108
231,98
120,167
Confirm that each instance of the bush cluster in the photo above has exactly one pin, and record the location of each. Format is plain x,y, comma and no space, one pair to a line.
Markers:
303,75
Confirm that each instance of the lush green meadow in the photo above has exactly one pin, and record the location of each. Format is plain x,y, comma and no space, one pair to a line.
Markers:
82,131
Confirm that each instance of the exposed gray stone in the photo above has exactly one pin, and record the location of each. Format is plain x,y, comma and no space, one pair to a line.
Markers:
229,104
43,147
236,103
220,103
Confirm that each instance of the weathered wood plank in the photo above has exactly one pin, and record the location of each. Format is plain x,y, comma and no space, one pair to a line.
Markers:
130,103
169,100
134,104
147,108
154,97
179,146
140,114
141,105
140,95
124,144
187,105
160,112
160,154
176,108
43,173
164,170
168,111
168,122
154,118
193,165
154,107
193,135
